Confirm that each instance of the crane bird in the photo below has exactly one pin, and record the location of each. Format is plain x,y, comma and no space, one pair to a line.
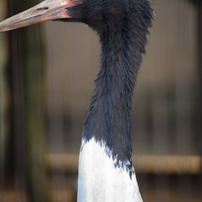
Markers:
106,171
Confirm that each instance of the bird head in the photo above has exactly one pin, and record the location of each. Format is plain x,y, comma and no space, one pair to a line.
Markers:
95,13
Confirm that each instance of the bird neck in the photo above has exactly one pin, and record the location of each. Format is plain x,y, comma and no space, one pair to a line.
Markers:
106,170
105,160
108,119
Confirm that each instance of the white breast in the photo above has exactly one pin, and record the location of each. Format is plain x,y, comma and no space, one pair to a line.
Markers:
99,180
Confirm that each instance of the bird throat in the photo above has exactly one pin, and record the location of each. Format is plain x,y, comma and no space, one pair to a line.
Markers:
106,153
108,119
106,171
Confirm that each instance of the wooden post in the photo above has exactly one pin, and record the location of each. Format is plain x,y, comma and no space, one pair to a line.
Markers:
199,8
3,97
26,78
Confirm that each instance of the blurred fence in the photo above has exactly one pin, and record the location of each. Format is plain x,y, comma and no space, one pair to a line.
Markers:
45,84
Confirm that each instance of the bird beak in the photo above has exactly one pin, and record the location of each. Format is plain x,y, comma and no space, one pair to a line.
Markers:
44,11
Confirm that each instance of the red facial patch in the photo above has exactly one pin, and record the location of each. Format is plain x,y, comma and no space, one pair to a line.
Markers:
66,1
69,2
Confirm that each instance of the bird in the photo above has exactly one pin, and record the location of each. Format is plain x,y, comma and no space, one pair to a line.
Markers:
105,172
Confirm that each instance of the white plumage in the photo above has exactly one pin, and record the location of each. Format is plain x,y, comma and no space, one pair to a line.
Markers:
99,180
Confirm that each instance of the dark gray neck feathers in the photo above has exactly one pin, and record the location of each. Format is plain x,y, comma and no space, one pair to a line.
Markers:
123,43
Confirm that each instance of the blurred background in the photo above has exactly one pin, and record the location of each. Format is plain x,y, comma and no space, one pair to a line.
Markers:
47,74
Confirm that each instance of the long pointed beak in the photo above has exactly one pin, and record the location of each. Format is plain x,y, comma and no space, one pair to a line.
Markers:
45,11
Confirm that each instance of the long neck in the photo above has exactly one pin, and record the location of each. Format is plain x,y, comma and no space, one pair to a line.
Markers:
109,114
106,170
